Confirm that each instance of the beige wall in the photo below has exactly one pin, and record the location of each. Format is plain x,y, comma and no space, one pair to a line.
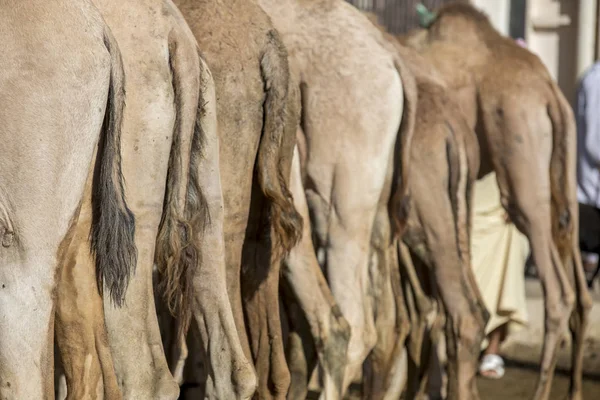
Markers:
498,11
552,33
562,32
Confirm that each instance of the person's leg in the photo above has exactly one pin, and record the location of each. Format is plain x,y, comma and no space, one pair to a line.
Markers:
589,239
495,339
492,365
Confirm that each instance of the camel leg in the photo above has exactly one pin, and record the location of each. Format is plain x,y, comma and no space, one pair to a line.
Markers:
230,373
301,270
398,375
422,304
578,323
558,298
80,331
392,326
465,320
60,380
261,306
301,351
195,374
347,269
182,356
138,319
530,210
388,360
381,358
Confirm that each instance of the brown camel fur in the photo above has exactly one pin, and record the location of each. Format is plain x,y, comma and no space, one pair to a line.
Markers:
171,165
352,98
438,231
519,111
257,111
61,110
435,255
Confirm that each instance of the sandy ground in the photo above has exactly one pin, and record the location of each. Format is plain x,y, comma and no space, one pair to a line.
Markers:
519,383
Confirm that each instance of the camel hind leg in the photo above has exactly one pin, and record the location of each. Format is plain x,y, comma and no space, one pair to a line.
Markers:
578,322
524,184
306,283
390,320
532,216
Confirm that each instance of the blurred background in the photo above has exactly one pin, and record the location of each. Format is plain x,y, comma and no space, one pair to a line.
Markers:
563,33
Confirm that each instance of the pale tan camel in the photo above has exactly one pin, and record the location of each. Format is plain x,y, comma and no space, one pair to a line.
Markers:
318,330
383,372
352,98
61,85
518,112
257,112
171,164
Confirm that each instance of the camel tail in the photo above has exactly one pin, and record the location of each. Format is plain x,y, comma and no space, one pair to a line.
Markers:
184,208
400,201
459,190
285,221
113,224
563,172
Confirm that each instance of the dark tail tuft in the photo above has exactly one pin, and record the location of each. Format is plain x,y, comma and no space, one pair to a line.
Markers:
184,211
113,224
561,163
285,220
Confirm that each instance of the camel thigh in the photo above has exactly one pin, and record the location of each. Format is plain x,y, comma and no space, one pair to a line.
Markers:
27,329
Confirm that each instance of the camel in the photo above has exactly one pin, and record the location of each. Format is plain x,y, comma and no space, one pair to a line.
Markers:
171,165
438,228
257,115
354,93
518,110
434,251
62,107
318,330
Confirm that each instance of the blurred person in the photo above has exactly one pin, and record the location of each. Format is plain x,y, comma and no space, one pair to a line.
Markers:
588,173
499,252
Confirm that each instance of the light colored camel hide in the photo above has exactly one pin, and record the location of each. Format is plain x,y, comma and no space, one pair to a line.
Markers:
61,85
171,167
518,111
328,332
257,113
352,107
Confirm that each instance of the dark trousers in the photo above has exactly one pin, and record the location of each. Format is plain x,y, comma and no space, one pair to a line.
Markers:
589,235
589,229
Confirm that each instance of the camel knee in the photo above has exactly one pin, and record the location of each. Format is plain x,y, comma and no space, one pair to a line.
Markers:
244,380
281,379
558,314
468,330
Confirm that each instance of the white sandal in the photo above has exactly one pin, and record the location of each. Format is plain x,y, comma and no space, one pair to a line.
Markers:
491,363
